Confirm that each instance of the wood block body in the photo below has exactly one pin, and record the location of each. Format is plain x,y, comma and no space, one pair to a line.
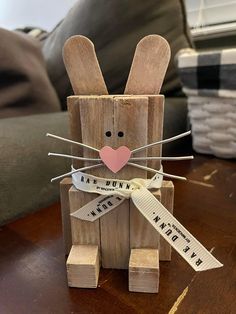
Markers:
65,185
83,266
140,119
144,270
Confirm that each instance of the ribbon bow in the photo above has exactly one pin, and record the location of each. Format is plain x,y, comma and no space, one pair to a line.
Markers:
114,192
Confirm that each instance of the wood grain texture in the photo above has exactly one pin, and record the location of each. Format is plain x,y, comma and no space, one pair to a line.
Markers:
75,129
155,129
120,114
142,233
144,270
149,66
82,67
96,116
130,117
83,232
83,266
65,185
167,199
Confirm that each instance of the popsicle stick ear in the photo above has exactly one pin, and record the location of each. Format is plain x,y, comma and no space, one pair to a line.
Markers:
149,66
82,67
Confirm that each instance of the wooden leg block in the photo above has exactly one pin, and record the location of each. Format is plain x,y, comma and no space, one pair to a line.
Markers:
144,270
65,185
167,199
83,266
83,232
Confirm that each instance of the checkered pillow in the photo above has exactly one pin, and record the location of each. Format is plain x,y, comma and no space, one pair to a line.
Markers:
211,73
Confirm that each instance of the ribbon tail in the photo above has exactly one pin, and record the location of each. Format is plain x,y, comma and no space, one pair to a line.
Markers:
98,207
198,257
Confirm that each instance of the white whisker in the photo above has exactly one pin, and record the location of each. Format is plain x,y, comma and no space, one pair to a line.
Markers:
162,158
156,171
76,170
74,157
174,138
72,142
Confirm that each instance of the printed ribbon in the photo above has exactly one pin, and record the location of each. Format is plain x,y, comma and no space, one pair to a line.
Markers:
114,192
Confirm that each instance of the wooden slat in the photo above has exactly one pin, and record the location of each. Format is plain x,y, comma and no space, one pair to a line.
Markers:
142,233
75,128
83,232
114,114
155,128
167,199
115,249
96,115
130,117
82,67
65,185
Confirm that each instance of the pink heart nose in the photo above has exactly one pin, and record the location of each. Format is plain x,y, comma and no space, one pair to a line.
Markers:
115,159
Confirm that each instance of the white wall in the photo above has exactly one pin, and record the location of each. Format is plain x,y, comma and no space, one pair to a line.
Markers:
210,12
40,13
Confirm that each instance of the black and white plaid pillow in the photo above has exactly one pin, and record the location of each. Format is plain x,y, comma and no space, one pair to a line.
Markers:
211,73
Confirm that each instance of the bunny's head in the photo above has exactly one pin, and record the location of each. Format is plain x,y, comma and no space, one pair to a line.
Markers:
116,132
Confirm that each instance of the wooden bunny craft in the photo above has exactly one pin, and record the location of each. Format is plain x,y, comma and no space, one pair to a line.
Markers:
116,142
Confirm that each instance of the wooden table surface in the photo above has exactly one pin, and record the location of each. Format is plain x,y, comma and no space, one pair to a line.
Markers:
32,263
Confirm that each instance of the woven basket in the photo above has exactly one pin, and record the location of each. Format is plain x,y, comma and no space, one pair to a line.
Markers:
213,121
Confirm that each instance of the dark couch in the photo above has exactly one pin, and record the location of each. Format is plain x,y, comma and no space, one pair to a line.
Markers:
115,27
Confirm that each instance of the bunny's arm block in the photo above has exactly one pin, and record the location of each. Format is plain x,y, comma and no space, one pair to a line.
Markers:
83,232
167,200
65,185
83,266
144,270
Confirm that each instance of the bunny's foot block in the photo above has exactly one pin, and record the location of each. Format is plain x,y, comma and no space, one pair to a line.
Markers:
83,266
144,270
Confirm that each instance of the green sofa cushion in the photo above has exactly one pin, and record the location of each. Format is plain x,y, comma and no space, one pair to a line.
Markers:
26,169
25,88
115,27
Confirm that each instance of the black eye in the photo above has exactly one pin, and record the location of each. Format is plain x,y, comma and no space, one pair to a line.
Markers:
120,134
108,133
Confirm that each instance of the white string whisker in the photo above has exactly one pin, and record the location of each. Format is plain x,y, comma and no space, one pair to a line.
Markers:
72,142
76,170
162,158
170,139
74,157
157,171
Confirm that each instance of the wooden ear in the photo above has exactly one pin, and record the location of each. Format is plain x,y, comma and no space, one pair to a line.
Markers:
149,66
82,67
